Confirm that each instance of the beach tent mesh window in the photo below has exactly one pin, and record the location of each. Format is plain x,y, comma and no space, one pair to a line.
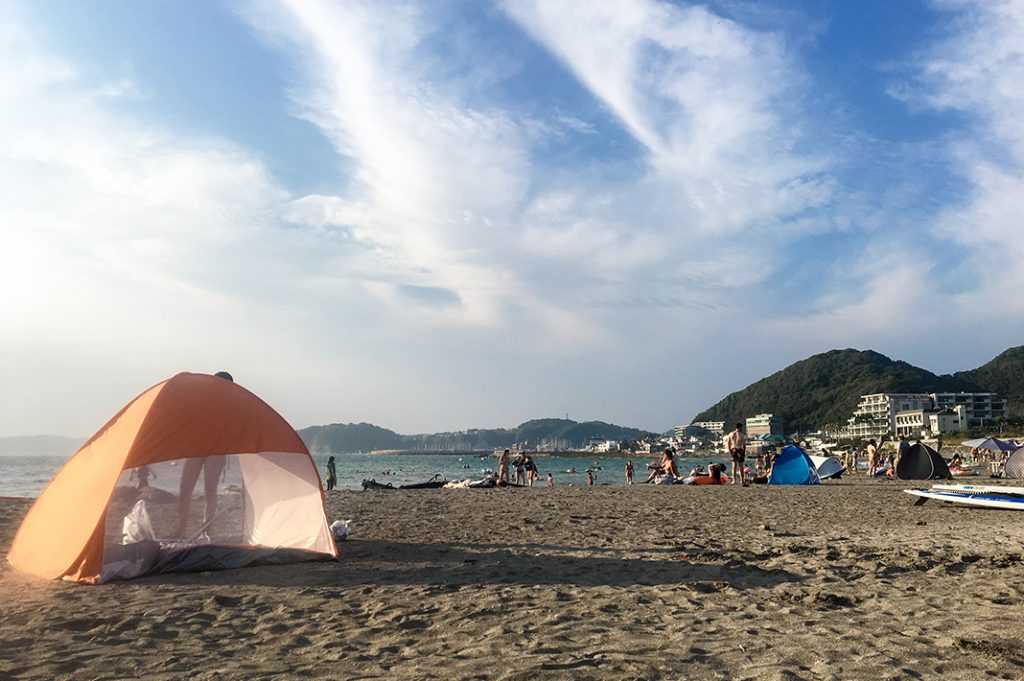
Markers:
921,462
793,467
196,473
1014,467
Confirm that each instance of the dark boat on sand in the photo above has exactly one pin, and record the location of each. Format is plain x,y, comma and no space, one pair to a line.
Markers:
435,482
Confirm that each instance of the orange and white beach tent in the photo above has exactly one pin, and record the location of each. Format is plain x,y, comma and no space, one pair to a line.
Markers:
125,504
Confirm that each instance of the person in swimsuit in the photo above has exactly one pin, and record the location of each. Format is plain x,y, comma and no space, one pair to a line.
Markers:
503,463
532,474
666,467
736,443
332,474
211,468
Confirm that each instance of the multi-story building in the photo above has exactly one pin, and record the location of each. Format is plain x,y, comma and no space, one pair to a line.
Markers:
982,409
917,423
713,426
764,424
876,414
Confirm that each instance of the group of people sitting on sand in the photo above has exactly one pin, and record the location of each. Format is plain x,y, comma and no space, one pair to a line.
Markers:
666,471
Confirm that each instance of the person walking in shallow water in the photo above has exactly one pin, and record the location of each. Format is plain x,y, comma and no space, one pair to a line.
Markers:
736,443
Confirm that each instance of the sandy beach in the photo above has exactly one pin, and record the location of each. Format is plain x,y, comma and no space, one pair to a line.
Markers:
845,580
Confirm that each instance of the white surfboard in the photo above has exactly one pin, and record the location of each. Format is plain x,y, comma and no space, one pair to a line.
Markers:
981,489
968,499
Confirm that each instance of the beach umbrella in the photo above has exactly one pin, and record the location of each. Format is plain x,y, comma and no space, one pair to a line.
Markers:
990,443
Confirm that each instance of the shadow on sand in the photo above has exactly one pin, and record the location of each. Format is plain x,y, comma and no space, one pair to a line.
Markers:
381,563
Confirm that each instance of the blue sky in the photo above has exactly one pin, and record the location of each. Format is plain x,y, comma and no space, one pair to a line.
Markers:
456,214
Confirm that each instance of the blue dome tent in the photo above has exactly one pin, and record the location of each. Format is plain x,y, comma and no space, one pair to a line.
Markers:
793,467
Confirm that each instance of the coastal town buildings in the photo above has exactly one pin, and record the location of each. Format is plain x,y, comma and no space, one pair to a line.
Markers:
980,409
923,414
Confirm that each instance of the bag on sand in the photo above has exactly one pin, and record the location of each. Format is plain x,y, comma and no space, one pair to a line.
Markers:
339,529
136,526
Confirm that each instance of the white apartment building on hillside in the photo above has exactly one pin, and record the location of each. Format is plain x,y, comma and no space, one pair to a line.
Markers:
713,426
981,409
876,414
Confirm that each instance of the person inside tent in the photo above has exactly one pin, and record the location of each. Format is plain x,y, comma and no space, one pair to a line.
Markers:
211,468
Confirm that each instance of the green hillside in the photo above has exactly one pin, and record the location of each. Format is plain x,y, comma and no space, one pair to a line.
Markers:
560,433
824,389
1003,375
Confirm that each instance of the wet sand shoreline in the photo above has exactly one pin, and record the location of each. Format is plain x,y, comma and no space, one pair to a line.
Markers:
844,580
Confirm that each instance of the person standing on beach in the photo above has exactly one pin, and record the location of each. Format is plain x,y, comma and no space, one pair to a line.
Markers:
142,474
551,480
332,474
629,472
211,467
872,458
590,478
503,463
532,474
736,443
520,467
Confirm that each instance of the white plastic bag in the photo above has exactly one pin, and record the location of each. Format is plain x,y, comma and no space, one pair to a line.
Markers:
339,529
136,526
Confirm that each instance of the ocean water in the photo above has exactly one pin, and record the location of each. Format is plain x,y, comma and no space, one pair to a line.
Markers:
26,476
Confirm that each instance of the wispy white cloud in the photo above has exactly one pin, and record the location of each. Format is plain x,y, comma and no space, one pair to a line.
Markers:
978,71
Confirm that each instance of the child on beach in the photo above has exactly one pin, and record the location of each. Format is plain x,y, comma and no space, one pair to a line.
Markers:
142,474
629,472
590,479
551,480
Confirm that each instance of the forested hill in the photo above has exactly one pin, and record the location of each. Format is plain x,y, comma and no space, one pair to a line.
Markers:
365,437
823,390
1003,375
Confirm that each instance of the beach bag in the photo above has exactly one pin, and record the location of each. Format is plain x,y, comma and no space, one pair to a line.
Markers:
136,526
340,529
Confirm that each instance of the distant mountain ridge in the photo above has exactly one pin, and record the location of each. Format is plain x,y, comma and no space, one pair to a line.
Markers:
560,433
823,390
35,445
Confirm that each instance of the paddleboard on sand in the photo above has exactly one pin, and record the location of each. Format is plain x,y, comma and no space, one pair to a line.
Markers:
981,489
968,499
